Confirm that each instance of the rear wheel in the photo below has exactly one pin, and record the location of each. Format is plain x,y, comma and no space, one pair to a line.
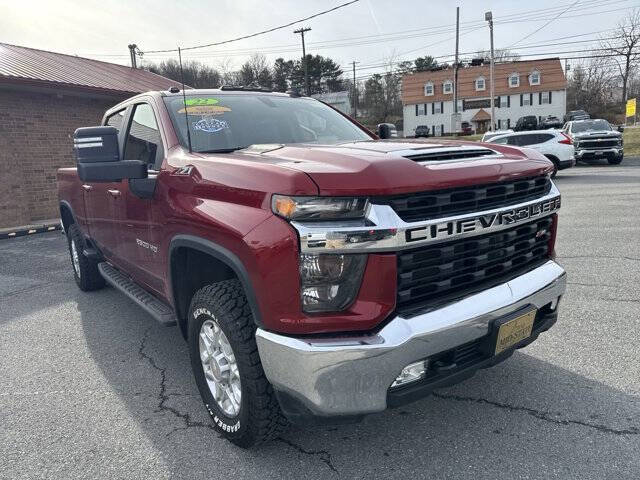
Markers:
555,165
85,270
227,368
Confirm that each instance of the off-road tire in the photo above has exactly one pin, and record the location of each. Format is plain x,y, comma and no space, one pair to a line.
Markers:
87,276
260,418
615,160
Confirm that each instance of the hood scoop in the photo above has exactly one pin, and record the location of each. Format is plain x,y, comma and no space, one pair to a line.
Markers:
449,154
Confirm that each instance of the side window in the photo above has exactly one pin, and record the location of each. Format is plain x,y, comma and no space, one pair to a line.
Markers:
544,137
115,120
500,141
143,139
515,140
529,139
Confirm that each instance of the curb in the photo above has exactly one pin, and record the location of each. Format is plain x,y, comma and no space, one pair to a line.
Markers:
29,230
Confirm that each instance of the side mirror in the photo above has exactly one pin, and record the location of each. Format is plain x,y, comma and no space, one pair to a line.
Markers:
621,128
384,130
98,156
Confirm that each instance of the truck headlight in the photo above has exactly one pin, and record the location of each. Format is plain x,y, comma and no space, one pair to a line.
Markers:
319,208
330,283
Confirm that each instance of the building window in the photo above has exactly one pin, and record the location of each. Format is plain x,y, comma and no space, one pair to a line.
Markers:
514,80
545,98
504,101
437,107
460,106
447,87
480,84
428,89
526,100
421,109
534,78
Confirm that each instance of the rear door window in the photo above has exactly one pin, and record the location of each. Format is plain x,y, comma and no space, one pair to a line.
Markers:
143,139
529,139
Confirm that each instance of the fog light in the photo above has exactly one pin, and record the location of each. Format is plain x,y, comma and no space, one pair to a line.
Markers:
411,373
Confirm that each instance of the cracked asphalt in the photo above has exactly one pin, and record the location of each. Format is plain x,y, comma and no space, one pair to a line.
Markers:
91,387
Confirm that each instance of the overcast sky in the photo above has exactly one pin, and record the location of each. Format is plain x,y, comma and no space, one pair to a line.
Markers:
369,31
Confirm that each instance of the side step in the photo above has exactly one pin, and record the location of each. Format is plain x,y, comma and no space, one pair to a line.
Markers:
159,310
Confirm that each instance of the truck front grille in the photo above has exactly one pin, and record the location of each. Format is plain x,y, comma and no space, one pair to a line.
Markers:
456,201
596,144
432,275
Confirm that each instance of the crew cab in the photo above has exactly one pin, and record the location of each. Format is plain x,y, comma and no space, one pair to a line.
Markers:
318,272
595,139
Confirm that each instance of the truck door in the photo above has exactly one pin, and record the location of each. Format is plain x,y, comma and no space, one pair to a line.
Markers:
102,200
138,246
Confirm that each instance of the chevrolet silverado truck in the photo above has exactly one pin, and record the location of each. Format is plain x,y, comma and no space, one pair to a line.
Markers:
318,273
595,139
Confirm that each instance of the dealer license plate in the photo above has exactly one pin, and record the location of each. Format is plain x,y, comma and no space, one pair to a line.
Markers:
514,331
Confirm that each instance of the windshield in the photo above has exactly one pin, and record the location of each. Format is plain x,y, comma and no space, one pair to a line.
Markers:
227,122
590,125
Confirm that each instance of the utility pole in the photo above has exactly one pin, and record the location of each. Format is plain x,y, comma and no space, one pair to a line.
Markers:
132,53
355,91
304,59
454,120
489,18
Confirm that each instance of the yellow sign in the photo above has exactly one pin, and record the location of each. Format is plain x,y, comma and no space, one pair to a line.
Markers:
631,107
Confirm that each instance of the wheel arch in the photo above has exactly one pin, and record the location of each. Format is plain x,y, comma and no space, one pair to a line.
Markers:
66,214
218,262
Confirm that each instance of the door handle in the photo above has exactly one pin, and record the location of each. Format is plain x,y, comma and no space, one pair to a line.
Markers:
87,187
114,193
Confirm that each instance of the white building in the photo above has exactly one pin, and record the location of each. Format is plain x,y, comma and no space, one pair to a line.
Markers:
531,87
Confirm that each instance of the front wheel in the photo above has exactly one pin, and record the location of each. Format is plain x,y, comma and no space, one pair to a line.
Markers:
227,368
85,270
615,160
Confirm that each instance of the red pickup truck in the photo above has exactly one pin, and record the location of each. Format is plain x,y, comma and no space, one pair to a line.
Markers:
318,272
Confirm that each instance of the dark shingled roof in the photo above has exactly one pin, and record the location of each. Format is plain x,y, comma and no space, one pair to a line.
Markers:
22,65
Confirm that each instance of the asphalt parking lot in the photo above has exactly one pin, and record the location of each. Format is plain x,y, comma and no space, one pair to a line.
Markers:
91,387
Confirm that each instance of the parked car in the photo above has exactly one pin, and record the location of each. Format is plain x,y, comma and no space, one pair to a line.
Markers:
489,135
553,144
288,245
595,139
576,115
422,131
388,130
551,122
466,128
528,122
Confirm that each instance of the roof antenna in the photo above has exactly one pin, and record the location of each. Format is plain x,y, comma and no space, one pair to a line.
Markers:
184,101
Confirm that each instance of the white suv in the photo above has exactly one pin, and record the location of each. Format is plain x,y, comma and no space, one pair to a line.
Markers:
553,144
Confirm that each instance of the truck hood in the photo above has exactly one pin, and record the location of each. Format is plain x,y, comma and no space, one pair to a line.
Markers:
596,134
384,167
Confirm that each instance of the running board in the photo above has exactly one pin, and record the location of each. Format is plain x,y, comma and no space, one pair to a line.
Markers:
159,310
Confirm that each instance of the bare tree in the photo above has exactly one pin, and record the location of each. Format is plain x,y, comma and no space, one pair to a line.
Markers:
591,88
625,45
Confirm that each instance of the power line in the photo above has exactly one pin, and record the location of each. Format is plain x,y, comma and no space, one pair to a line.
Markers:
261,32
554,18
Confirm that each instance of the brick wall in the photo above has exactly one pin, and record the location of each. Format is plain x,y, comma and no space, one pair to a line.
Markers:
35,140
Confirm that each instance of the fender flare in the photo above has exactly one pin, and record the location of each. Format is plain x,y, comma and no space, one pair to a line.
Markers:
223,255
65,204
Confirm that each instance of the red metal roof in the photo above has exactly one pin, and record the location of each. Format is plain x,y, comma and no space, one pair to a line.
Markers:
40,67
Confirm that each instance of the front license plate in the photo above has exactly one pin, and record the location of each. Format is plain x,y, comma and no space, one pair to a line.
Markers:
598,153
515,330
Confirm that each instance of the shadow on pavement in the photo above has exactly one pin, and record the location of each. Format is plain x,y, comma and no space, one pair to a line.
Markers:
521,405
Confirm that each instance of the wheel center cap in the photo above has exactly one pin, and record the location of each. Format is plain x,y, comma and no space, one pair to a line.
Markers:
220,368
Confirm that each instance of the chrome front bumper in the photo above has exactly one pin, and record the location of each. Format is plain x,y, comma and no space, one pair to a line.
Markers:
344,376
592,152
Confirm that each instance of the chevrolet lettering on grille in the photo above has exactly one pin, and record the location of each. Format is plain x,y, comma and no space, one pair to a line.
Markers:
483,222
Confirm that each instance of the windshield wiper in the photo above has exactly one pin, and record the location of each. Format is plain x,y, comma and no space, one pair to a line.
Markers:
223,150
